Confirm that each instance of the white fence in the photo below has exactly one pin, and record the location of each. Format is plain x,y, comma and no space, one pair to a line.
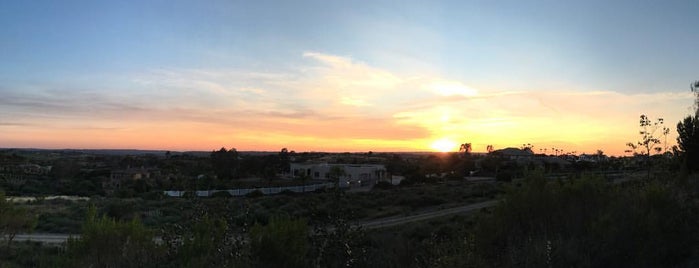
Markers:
265,191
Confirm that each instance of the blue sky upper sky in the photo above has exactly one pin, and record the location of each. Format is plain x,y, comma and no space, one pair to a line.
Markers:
391,75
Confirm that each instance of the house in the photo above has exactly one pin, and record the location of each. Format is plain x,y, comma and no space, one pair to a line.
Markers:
527,157
353,174
554,163
34,169
515,154
118,176
593,158
133,173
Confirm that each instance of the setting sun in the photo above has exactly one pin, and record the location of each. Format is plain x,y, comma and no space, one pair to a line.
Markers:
314,91
443,145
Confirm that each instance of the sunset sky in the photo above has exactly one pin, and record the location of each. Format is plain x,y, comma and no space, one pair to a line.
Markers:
343,76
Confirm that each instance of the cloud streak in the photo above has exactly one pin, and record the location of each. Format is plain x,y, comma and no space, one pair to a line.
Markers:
331,102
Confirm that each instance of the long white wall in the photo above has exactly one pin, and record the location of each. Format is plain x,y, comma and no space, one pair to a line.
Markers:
266,191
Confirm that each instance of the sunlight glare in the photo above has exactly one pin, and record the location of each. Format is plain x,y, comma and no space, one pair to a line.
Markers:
443,145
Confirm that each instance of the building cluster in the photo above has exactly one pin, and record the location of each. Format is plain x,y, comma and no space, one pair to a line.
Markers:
526,156
346,175
108,174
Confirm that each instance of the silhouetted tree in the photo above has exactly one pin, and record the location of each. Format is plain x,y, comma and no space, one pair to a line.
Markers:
649,139
695,88
432,165
688,142
335,173
688,135
225,163
284,160
269,173
465,148
64,169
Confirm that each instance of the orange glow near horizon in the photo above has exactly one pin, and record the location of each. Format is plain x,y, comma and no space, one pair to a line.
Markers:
339,105
186,139
337,136
443,145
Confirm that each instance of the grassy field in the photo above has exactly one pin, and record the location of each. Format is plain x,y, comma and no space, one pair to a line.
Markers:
63,216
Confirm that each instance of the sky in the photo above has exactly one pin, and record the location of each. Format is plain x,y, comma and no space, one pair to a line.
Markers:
343,75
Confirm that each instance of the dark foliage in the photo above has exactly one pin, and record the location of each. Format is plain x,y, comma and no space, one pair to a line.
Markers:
688,142
588,223
225,163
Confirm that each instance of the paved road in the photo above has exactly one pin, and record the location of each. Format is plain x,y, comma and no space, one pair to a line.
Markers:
373,224
387,222
44,238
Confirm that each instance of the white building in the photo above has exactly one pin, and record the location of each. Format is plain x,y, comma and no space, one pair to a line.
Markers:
355,175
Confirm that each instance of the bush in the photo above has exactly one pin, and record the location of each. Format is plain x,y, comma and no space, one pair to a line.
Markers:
281,243
152,195
255,194
420,201
287,192
31,255
106,242
505,176
321,190
407,182
221,194
383,185
118,209
587,222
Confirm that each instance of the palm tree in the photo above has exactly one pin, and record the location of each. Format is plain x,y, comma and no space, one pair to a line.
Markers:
465,148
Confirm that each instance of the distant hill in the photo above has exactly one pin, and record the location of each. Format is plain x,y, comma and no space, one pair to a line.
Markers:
118,152
89,151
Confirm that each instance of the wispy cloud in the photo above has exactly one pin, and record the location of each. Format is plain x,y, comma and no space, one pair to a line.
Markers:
327,99
13,124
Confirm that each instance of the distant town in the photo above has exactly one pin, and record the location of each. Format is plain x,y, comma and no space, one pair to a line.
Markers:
68,208
130,173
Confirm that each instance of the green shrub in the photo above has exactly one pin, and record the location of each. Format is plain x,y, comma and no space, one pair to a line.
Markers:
588,223
281,243
105,242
